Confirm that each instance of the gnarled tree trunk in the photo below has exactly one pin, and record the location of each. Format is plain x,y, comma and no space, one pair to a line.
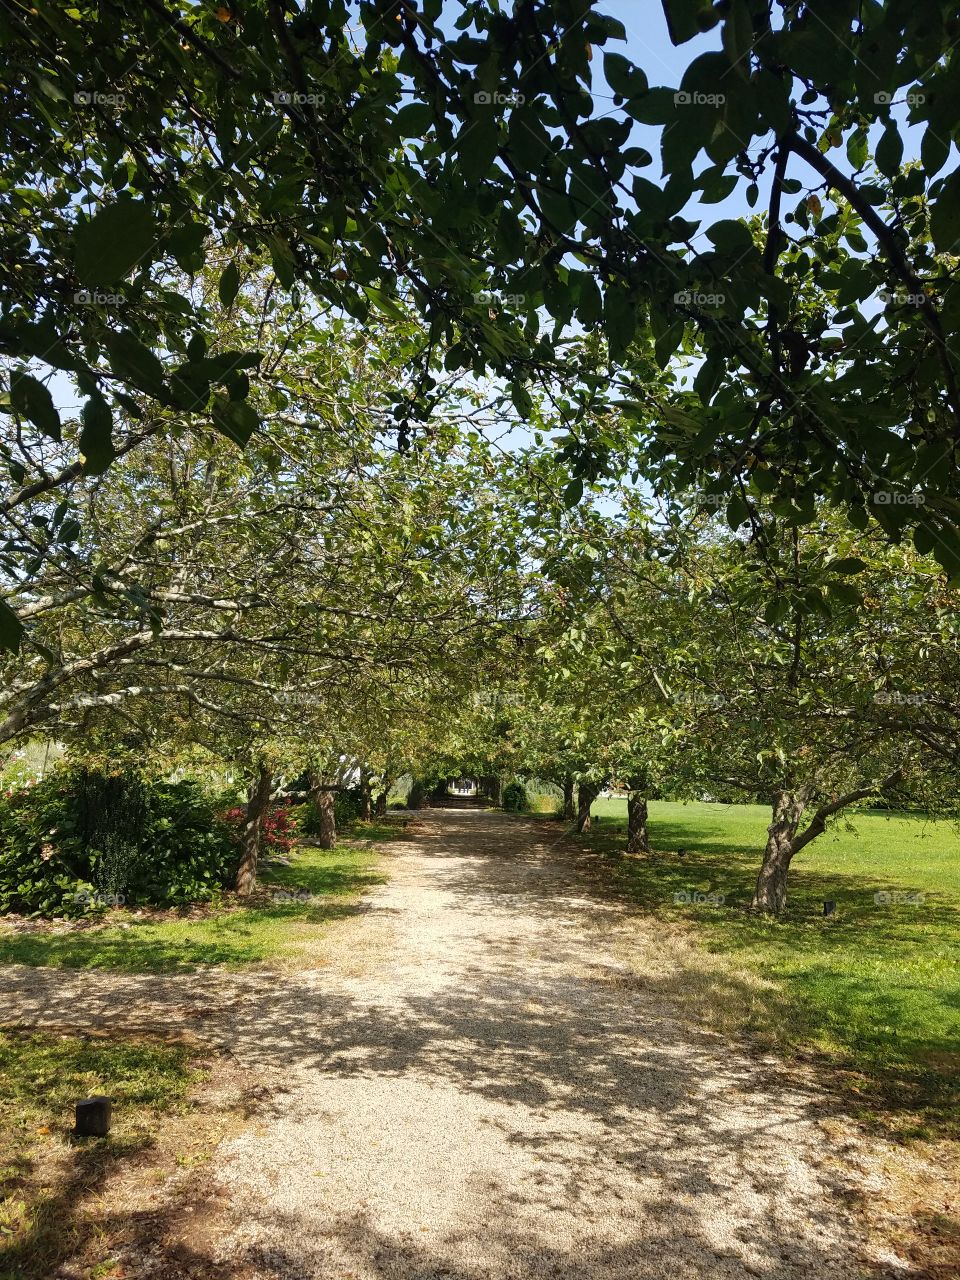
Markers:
258,802
587,792
770,894
569,808
637,839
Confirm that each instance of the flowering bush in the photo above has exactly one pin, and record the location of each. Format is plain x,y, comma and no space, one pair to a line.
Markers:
278,831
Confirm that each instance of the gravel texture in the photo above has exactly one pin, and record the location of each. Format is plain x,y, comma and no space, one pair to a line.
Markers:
472,1087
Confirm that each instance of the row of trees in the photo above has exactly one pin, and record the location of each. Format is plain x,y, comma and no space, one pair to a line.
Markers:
341,600
810,666
515,178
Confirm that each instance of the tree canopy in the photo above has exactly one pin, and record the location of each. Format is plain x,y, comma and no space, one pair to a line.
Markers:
496,171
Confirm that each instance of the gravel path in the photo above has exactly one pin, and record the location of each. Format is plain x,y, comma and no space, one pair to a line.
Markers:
469,1089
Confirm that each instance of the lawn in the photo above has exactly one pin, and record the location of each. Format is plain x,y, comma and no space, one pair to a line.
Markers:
876,985
294,910
45,1173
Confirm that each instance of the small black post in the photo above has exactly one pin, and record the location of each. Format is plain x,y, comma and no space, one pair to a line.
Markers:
829,908
93,1117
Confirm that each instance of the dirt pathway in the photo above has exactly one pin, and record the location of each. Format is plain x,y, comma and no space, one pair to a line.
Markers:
462,1092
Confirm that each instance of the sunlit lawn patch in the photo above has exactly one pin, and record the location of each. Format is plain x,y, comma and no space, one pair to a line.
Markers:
877,984
294,908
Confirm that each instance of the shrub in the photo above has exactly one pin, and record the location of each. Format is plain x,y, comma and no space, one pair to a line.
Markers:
88,838
515,798
278,830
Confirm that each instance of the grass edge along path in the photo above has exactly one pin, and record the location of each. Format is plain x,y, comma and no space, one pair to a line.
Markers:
873,990
49,1179
294,906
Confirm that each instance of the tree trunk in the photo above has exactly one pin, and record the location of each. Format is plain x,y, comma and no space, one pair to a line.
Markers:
637,839
569,809
380,808
587,792
327,835
322,797
258,803
770,894
496,791
365,799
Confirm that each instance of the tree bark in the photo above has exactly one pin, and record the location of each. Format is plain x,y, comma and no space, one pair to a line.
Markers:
569,809
587,792
784,841
258,803
770,894
322,796
637,839
380,808
496,791
327,834
365,799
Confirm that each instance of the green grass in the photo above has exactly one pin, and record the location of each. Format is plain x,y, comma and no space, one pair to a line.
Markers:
231,936
876,985
44,1171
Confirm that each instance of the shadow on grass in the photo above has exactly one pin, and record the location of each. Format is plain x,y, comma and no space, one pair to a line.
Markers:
330,882
41,1076
873,986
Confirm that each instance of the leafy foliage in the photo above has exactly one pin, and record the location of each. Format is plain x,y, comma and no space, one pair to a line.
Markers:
63,855
515,798
460,160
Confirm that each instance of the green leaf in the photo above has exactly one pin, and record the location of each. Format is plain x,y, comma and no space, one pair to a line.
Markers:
687,18
934,151
848,564
31,398
11,629
889,152
667,343
229,284
113,242
945,216
731,236
622,76
284,263
619,321
236,419
131,360
96,443
738,512
573,493
857,148
413,120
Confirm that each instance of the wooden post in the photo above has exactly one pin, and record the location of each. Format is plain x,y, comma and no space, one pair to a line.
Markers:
93,1117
